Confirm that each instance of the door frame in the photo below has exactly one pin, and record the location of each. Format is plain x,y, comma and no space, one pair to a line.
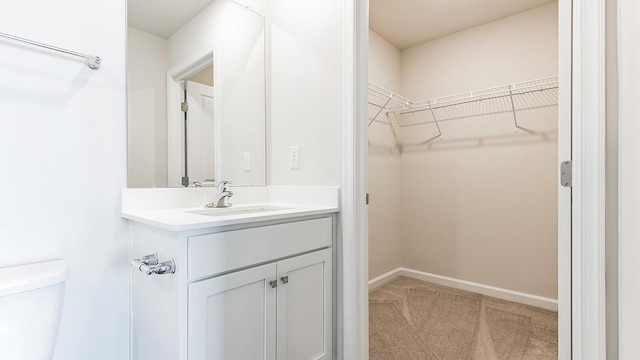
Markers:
588,194
193,88
175,129
565,102
581,297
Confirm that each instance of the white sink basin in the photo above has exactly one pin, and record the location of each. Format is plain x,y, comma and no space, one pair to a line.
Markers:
237,210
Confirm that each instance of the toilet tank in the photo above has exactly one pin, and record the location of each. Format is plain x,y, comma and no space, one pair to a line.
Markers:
31,299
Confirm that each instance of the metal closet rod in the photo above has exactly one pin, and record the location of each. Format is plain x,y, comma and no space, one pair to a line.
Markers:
93,62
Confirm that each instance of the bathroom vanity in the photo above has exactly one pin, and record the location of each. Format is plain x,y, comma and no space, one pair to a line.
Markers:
251,282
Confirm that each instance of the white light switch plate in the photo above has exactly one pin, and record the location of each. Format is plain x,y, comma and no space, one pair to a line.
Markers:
247,161
294,157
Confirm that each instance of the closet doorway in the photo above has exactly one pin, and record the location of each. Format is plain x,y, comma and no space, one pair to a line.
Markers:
469,228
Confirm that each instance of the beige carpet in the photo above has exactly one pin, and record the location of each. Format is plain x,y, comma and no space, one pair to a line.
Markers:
411,319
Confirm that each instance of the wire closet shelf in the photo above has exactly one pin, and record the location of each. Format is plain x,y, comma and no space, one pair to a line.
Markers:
507,100
382,100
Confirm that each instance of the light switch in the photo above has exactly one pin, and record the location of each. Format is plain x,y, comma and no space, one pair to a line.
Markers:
294,157
247,161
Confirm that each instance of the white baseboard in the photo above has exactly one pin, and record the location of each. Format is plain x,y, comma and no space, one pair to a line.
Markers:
384,278
504,294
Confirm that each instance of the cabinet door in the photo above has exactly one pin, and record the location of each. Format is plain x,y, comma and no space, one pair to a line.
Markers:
304,307
233,316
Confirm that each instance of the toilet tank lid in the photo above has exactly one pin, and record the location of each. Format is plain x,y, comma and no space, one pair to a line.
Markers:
21,278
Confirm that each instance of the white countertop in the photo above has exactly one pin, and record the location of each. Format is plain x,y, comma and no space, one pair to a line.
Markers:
180,219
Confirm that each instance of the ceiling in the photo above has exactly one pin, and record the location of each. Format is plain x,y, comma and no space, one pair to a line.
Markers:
162,17
406,23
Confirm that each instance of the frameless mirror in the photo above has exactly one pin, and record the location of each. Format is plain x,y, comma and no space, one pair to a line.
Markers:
196,93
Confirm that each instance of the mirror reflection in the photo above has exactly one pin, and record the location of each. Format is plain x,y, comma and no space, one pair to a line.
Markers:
196,93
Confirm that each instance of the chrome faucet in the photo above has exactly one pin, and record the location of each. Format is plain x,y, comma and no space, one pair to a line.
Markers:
222,198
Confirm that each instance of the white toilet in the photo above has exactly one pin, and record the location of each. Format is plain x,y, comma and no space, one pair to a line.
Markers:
31,299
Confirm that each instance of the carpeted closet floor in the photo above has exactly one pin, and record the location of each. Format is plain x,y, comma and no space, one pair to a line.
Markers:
411,319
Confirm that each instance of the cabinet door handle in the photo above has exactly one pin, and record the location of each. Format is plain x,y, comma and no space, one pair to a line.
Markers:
273,283
285,279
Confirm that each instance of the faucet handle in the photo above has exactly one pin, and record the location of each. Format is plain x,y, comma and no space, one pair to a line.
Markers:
222,186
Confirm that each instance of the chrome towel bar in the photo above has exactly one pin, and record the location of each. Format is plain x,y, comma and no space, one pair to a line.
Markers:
93,62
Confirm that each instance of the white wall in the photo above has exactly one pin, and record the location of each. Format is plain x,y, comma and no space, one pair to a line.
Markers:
238,39
629,178
306,61
304,56
385,239
147,66
63,152
484,212
384,64
209,26
492,54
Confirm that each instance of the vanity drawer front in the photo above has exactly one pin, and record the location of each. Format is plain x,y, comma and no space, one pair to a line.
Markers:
213,254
